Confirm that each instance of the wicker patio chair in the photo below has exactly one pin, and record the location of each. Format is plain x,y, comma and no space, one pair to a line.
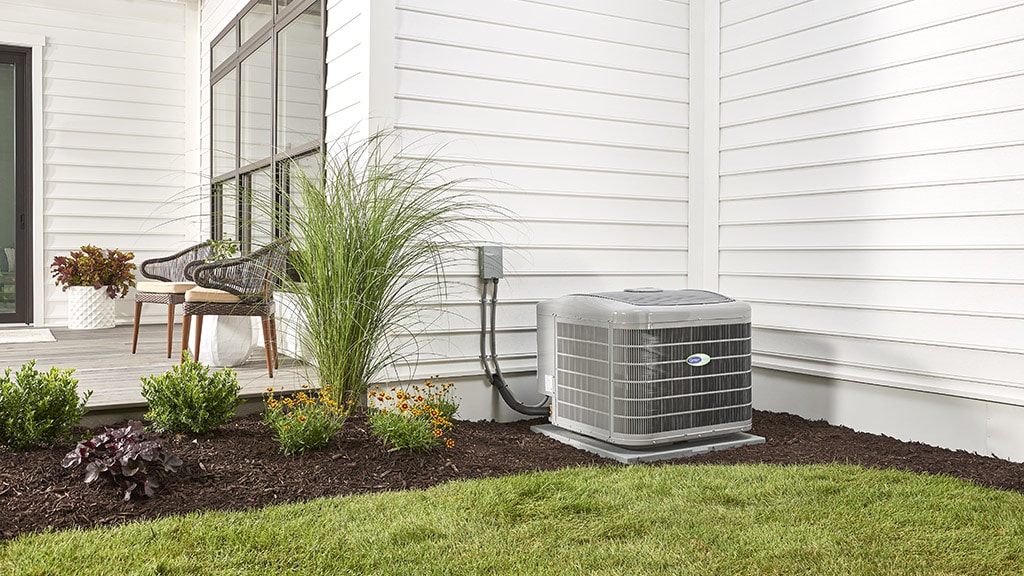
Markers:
167,285
237,287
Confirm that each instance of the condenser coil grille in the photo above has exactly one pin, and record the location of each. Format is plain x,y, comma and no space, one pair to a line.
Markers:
583,374
654,389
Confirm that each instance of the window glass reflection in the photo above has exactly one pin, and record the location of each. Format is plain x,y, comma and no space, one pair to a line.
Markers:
304,171
223,49
255,100
8,190
261,212
300,81
224,101
257,17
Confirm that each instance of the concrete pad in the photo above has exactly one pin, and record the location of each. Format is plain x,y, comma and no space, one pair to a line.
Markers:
635,455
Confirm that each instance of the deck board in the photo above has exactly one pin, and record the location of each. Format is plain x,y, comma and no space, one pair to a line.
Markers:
104,363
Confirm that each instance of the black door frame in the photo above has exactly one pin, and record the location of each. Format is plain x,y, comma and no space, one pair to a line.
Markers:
21,58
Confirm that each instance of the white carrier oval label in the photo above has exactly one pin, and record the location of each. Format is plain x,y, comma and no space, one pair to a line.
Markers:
698,359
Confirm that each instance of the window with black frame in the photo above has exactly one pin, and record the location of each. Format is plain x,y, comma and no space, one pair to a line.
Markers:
267,112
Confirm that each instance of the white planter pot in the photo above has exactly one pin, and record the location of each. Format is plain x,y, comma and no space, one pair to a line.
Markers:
226,340
89,308
291,323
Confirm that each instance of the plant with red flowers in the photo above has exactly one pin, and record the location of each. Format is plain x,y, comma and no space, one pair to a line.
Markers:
96,267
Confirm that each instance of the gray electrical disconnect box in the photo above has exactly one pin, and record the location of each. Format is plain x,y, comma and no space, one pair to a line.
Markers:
490,262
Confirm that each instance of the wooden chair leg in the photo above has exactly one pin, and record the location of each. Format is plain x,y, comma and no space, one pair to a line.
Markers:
268,346
273,340
199,336
170,328
186,323
135,326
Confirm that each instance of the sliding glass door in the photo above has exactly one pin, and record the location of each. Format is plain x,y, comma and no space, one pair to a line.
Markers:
15,187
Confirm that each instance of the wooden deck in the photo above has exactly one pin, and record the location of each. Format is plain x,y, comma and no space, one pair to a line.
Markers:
104,363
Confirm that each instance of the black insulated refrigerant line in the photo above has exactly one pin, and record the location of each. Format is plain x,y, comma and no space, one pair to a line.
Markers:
495,377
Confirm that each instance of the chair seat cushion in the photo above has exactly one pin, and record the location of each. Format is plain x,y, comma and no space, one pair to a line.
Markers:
164,287
200,294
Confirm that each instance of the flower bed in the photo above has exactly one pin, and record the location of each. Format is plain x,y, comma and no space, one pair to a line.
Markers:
240,466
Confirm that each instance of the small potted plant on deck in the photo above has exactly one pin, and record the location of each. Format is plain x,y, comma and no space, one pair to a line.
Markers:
93,278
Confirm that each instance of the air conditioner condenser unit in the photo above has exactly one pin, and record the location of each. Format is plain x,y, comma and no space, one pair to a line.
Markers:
641,368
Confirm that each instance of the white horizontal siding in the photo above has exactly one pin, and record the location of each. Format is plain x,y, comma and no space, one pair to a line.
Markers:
115,131
839,44
871,172
734,13
575,116
949,265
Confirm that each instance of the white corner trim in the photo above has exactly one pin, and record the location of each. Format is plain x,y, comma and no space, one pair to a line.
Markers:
703,196
381,63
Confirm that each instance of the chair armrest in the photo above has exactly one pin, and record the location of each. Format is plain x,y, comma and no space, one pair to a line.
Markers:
238,276
251,277
173,268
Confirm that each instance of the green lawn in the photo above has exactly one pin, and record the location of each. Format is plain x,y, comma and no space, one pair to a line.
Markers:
636,520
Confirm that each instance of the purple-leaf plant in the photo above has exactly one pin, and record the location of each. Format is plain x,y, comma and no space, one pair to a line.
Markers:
123,457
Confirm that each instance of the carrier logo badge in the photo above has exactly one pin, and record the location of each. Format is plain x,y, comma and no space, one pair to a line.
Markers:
698,359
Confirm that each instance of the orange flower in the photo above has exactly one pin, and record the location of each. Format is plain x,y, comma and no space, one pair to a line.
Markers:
449,443
438,432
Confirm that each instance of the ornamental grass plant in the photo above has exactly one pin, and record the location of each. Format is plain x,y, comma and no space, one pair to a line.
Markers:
374,227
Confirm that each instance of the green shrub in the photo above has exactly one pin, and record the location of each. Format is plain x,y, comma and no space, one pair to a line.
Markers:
304,421
188,399
415,420
37,408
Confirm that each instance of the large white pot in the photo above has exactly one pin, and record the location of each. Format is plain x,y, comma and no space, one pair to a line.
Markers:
226,340
89,308
291,324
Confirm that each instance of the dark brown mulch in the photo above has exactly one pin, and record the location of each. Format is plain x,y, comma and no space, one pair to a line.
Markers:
239,467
